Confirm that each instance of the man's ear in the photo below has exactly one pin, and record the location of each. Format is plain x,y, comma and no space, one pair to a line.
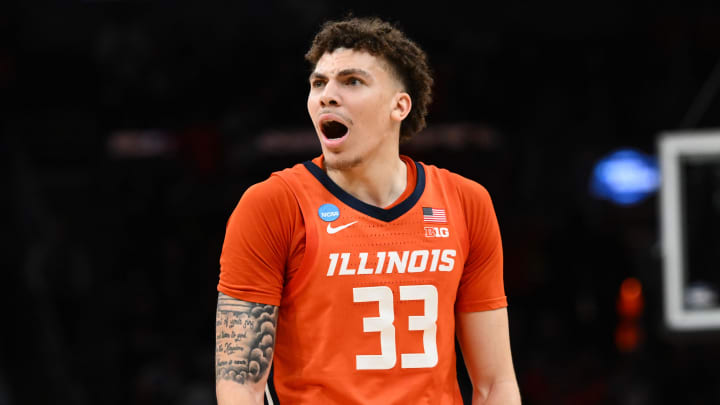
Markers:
401,106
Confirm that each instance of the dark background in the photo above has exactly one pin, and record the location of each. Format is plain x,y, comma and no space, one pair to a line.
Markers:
111,246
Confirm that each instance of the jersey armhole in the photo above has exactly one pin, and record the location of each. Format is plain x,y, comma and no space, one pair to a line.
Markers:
461,202
310,228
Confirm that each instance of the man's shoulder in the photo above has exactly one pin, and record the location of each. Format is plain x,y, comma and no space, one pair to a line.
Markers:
268,189
464,185
272,189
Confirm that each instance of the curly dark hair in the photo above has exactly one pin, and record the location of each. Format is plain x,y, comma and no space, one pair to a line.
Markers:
382,39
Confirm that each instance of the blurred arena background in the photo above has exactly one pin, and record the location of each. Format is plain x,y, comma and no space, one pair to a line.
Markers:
130,129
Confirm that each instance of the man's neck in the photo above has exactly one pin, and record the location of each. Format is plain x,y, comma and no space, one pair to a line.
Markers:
376,182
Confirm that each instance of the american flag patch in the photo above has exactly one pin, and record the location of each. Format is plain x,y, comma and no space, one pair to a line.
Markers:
434,215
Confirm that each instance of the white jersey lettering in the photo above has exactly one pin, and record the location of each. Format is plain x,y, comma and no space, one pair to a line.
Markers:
415,261
447,262
381,262
414,266
363,261
333,263
435,258
344,270
395,261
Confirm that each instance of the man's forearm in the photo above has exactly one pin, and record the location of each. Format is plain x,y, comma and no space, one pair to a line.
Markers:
244,345
500,393
229,393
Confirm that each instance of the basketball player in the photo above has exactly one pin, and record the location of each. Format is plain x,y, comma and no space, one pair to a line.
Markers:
352,273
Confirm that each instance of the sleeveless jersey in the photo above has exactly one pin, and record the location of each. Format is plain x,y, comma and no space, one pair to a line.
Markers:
368,316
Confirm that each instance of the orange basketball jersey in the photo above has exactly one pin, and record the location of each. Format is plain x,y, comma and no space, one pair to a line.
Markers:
368,316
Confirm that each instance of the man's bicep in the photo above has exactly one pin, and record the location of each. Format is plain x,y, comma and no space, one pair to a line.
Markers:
485,343
244,344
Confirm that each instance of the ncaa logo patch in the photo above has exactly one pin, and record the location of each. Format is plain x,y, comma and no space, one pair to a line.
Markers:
328,212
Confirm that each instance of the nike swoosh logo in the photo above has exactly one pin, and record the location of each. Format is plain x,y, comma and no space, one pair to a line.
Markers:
332,230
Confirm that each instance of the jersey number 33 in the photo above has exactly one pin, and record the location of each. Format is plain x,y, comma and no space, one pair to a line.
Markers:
427,323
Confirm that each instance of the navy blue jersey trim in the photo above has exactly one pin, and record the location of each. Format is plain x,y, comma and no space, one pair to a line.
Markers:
367,209
271,388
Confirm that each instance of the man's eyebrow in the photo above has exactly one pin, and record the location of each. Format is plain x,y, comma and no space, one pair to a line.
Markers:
353,71
316,75
344,72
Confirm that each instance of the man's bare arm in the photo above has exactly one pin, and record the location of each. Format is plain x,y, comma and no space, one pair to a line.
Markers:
485,343
244,344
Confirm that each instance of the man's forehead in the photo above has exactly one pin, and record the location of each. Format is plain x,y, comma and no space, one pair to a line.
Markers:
343,59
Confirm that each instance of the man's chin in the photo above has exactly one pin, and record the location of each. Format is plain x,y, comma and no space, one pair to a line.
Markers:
334,162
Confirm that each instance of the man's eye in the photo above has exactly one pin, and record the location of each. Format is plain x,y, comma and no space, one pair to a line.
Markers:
354,82
316,83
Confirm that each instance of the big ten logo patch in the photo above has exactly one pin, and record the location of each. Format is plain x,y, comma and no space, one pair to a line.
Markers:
436,232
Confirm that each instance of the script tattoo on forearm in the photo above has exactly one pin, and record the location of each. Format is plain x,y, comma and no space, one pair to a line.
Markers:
244,339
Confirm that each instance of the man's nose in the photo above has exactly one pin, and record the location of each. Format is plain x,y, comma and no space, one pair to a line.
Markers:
329,96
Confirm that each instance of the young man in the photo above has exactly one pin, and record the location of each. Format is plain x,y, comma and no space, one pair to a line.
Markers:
353,272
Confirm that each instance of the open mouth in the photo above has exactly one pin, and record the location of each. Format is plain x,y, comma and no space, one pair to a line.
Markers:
333,129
